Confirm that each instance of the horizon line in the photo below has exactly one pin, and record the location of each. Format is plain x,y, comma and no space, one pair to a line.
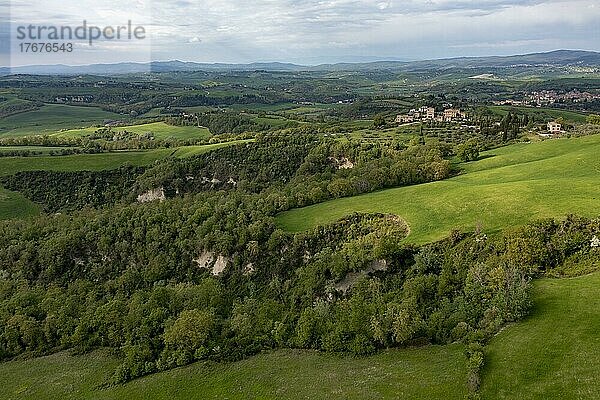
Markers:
375,60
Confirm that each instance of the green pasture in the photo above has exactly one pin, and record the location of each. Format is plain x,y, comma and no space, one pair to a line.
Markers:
51,118
555,352
509,186
159,130
435,372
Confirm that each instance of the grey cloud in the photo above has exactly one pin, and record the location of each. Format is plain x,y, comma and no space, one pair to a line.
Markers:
296,30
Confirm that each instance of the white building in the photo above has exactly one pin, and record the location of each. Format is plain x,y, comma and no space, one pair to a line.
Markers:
554,127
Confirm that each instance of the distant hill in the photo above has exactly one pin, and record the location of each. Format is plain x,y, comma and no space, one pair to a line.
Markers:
559,58
555,58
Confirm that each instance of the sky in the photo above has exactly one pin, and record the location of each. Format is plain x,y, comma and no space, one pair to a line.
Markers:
306,31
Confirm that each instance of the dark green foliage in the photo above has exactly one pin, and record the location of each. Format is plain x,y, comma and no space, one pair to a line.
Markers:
126,278
289,170
475,361
70,191
219,122
379,121
593,119
468,151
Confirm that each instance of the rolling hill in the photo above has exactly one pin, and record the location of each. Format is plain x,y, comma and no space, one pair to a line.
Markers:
555,58
509,186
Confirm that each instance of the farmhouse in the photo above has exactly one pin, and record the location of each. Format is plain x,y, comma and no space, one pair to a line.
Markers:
403,119
422,114
554,127
452,114
429,113
426,113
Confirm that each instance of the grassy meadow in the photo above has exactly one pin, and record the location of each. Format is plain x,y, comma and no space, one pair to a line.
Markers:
435,372
101,161
555,352
509,186
15,205
160,130
81,162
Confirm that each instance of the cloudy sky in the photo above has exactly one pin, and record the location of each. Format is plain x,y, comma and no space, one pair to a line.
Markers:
313,31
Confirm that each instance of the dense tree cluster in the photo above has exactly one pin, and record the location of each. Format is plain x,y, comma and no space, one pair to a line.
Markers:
219,122
468,151
593,119
288,170
131,278
71,191
8,108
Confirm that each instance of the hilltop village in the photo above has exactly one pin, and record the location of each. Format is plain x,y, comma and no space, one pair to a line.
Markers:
426,114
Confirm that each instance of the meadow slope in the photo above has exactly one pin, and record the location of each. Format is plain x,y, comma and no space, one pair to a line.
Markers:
555,352
435,372
159,130
509,186
51,118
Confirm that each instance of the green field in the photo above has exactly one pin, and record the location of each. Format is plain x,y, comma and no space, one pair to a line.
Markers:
15,205
436,372
81,162
51,118
554,353
36,149
101,161
160,130
509,186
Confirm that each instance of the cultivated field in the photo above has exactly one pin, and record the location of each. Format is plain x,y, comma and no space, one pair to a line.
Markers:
509,186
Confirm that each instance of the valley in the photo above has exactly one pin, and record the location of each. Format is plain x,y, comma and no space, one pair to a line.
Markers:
383,230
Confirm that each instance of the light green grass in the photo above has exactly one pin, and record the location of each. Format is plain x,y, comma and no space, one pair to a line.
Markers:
555,352
436,372
160,130
51,118
81,162
16,206
512,186
37,149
